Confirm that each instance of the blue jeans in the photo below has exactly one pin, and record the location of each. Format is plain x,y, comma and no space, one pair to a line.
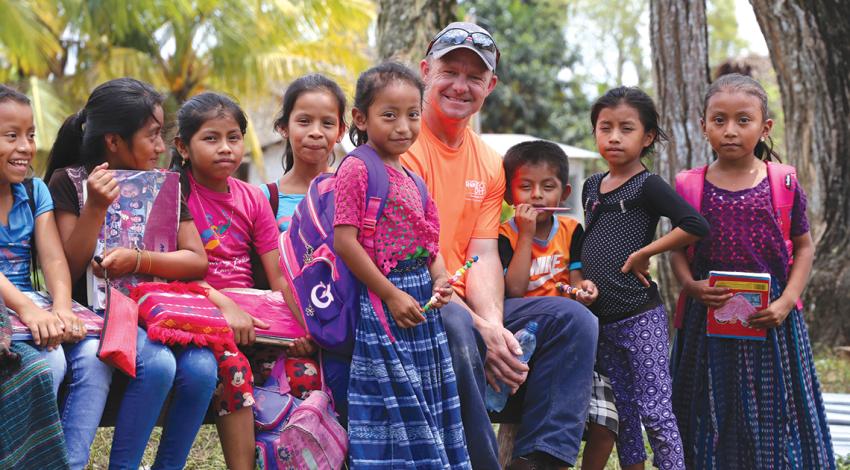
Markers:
56,360
85,397
87,388
192,371
552,403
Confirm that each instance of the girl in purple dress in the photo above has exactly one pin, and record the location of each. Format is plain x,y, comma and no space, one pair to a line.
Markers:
744,403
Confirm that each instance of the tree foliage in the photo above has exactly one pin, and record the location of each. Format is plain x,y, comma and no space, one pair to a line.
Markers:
724,42
182,47
611,34
533,97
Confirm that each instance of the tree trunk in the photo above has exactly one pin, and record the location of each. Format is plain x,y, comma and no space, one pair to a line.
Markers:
679,38
810,51
405,27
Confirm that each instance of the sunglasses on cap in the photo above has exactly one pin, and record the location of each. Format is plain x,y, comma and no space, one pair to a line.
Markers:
457,36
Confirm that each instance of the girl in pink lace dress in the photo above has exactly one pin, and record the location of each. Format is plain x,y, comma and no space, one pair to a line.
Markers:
404,410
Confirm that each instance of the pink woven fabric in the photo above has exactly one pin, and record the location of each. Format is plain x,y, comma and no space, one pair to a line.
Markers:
405,227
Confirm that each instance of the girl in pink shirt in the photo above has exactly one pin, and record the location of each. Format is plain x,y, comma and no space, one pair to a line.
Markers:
234,219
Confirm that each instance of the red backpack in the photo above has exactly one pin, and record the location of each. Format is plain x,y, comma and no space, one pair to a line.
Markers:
783,184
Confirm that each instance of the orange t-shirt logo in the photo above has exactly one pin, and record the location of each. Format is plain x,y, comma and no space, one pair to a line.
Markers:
475,190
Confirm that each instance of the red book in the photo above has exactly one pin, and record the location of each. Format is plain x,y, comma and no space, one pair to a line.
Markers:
751,294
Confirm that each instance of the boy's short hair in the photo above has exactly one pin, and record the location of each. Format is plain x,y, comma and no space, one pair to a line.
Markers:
536,152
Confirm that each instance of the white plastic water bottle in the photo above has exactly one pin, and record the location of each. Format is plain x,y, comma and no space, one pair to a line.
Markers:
527,338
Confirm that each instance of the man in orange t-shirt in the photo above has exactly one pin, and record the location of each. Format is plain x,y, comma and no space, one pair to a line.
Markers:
466,179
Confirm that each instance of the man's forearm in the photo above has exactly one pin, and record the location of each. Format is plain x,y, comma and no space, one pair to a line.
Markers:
485,289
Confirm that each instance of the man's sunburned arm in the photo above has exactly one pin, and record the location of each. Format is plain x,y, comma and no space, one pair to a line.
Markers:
485,286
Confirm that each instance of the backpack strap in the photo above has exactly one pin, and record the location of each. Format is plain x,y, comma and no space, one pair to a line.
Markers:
690,185
274,199
377,189
593,206
783,184
30,188
420,185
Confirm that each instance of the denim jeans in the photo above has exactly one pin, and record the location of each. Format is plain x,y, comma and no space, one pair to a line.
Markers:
551,406
87,388
57,362
192,371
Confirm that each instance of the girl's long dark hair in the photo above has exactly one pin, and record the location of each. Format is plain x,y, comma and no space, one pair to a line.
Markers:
121,106
198,110
301,85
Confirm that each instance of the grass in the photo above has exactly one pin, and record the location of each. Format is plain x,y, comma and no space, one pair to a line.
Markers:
833,371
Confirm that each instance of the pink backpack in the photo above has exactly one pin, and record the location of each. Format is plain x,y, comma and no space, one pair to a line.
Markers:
783,183
312,438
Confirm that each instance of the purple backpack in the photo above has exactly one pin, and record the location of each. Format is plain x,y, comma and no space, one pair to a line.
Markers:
327,293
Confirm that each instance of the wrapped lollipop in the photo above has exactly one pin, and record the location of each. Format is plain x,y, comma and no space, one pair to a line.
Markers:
452,280
566,289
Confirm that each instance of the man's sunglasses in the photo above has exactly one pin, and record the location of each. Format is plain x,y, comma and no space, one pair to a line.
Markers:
457,36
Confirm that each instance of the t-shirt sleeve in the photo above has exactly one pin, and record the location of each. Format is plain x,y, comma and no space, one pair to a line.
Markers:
265,227
506,251
575,248
350,193
64,193
799,219
487,224
43,201
665,201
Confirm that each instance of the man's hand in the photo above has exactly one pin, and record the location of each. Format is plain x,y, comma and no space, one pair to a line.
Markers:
501,363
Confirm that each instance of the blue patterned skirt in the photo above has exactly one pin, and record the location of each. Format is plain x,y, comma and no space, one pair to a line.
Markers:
30,431
749,404
404,410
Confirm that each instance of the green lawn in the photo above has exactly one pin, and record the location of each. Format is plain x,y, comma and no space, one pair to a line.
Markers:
833,370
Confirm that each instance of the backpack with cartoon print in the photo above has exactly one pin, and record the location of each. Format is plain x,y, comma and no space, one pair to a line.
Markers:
293,433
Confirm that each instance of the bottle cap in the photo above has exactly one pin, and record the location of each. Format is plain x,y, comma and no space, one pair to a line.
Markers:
531,327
